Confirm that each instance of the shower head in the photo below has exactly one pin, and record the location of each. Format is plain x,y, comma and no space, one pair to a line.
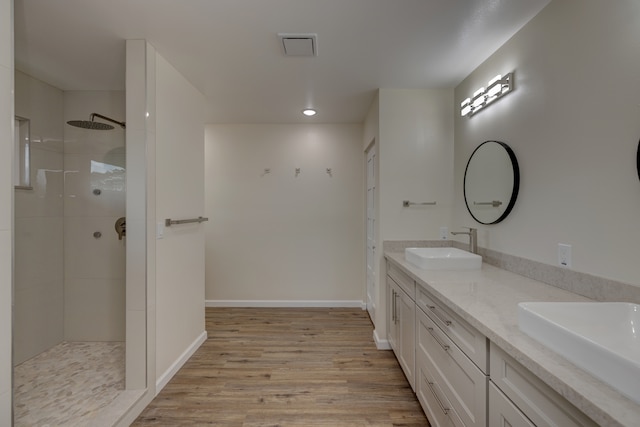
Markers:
92,124
86,124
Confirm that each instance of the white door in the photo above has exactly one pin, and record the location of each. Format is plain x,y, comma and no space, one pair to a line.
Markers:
371,231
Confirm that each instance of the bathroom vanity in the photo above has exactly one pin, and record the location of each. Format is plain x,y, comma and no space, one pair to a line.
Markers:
456,337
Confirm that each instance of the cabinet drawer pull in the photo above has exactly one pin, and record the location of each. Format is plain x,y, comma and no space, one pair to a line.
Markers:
433,390
393,306
444,346
442,319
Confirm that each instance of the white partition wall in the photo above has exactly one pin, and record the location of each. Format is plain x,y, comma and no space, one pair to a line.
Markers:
179,195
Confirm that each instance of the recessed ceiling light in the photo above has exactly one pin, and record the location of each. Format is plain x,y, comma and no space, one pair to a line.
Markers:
309,112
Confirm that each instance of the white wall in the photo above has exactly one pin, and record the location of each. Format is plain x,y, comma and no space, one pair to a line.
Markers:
6,205
573,123
281,237
38,221
416,157
180,263
414,130
94,268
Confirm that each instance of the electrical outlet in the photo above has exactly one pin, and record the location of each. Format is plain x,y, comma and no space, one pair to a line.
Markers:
444,233
564,255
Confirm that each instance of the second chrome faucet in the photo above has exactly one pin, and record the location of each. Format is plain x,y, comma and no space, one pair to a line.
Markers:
473,238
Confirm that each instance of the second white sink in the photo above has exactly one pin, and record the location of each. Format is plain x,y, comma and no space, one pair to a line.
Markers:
443,259
601,337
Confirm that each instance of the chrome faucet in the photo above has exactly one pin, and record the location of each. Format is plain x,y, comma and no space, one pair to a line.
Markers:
473,238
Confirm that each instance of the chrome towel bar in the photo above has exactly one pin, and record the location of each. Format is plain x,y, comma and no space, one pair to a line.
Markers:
407,203
169,222
494,203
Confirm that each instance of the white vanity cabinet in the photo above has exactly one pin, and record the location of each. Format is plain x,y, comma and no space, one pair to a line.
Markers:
451,366
401,327
460,377
518,398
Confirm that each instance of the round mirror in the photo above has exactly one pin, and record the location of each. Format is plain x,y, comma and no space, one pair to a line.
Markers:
491,182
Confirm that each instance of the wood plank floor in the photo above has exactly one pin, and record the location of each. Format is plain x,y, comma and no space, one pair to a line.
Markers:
287,368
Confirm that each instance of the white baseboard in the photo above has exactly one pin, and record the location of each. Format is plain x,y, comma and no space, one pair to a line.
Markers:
175,366
381,344
285,303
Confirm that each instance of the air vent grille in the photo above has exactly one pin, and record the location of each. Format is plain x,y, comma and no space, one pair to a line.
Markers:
299,44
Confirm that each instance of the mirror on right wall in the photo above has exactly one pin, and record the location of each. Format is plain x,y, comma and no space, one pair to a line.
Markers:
638,160
491,182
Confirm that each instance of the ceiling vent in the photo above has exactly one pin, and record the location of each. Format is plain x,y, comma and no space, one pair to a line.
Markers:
299,44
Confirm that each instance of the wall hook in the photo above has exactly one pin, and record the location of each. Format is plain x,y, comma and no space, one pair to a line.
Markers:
297,171
266,171
329,171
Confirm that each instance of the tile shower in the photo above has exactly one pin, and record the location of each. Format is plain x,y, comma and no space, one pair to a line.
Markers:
69,284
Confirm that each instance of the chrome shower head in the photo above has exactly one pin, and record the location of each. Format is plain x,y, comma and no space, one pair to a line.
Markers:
92,124
87,124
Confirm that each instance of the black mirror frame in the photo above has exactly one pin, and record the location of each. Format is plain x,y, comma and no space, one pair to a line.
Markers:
516,181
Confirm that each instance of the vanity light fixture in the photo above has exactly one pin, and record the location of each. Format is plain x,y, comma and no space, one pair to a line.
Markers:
309,112
497,87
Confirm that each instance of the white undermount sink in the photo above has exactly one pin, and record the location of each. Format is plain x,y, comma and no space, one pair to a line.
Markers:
442,259
602,338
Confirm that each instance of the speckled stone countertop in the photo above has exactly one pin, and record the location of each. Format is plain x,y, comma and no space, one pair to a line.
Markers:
488,300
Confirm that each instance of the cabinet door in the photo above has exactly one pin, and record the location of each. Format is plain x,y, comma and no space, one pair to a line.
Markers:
406,313
503,413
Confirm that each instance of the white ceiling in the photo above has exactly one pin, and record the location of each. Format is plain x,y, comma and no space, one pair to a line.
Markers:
229,49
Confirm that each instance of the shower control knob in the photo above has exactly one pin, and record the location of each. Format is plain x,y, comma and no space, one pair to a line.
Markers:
97,192
97,234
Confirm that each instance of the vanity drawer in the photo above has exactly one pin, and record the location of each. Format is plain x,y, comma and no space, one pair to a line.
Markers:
459,384
541,404
503,413
402,279
435,405
469,339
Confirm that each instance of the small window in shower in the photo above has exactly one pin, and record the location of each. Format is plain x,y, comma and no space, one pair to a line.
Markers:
22,157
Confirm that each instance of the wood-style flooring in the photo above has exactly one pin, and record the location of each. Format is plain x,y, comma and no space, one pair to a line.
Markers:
287,368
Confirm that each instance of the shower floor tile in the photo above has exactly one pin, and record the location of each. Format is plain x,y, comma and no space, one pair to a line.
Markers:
68,384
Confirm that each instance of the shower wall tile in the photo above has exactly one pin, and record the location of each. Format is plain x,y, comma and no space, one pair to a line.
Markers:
38,244
88,257
47,180
94,310
38,316
94,267
38,222
43,105
85,173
